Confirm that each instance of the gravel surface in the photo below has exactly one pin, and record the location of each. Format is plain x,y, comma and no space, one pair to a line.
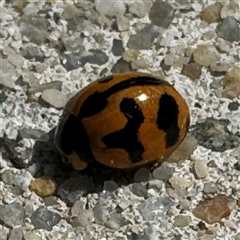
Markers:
50,49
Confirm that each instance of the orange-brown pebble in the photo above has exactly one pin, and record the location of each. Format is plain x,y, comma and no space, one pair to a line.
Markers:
44,186
213,210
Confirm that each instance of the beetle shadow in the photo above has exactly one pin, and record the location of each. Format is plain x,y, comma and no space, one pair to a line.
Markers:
47,161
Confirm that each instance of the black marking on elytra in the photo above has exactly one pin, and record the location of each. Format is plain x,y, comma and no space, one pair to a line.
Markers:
106,79
98,100
71,136
127,137
167,119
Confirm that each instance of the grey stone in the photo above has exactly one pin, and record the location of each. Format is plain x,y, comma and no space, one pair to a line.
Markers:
200,169
8,74
42,218
117,48
182,221
229,29
140,8
110,186
73,188
31,133
110,8
115,221
40,88
142,175
20,180
206,55
34,27
153,208
3,97
163,172
55,98
143,39
12,214
161,14
100,214
139,190
121,66
123,23
16,234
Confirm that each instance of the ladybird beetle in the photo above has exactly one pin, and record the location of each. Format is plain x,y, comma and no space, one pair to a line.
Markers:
123,121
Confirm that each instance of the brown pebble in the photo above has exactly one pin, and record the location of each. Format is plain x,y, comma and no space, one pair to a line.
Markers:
213,210
212,13
192,70
44,186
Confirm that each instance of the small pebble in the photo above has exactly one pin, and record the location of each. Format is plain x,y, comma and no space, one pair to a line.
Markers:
31,133
184,150
123,23
73,188
192,70
212,13
201,170
206,55
180,183
229,29
210,188
131,55
144,38
115,221
44,186
8,74
42,218
140,8
213,210
16,234
50,201
110,186
12,214
237,237
31,236
100,213
117,48
40,88
182,221
142,175
233,74
139,190
231,9
121,66
233,106
220,67
3,97
21,180
161,14
77,207
85,218
55,98
155,184
110,8
164,172
154,207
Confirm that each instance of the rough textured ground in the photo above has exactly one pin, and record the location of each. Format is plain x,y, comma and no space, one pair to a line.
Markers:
50,49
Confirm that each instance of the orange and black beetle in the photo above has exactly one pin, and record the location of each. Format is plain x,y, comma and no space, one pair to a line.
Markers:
123,121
